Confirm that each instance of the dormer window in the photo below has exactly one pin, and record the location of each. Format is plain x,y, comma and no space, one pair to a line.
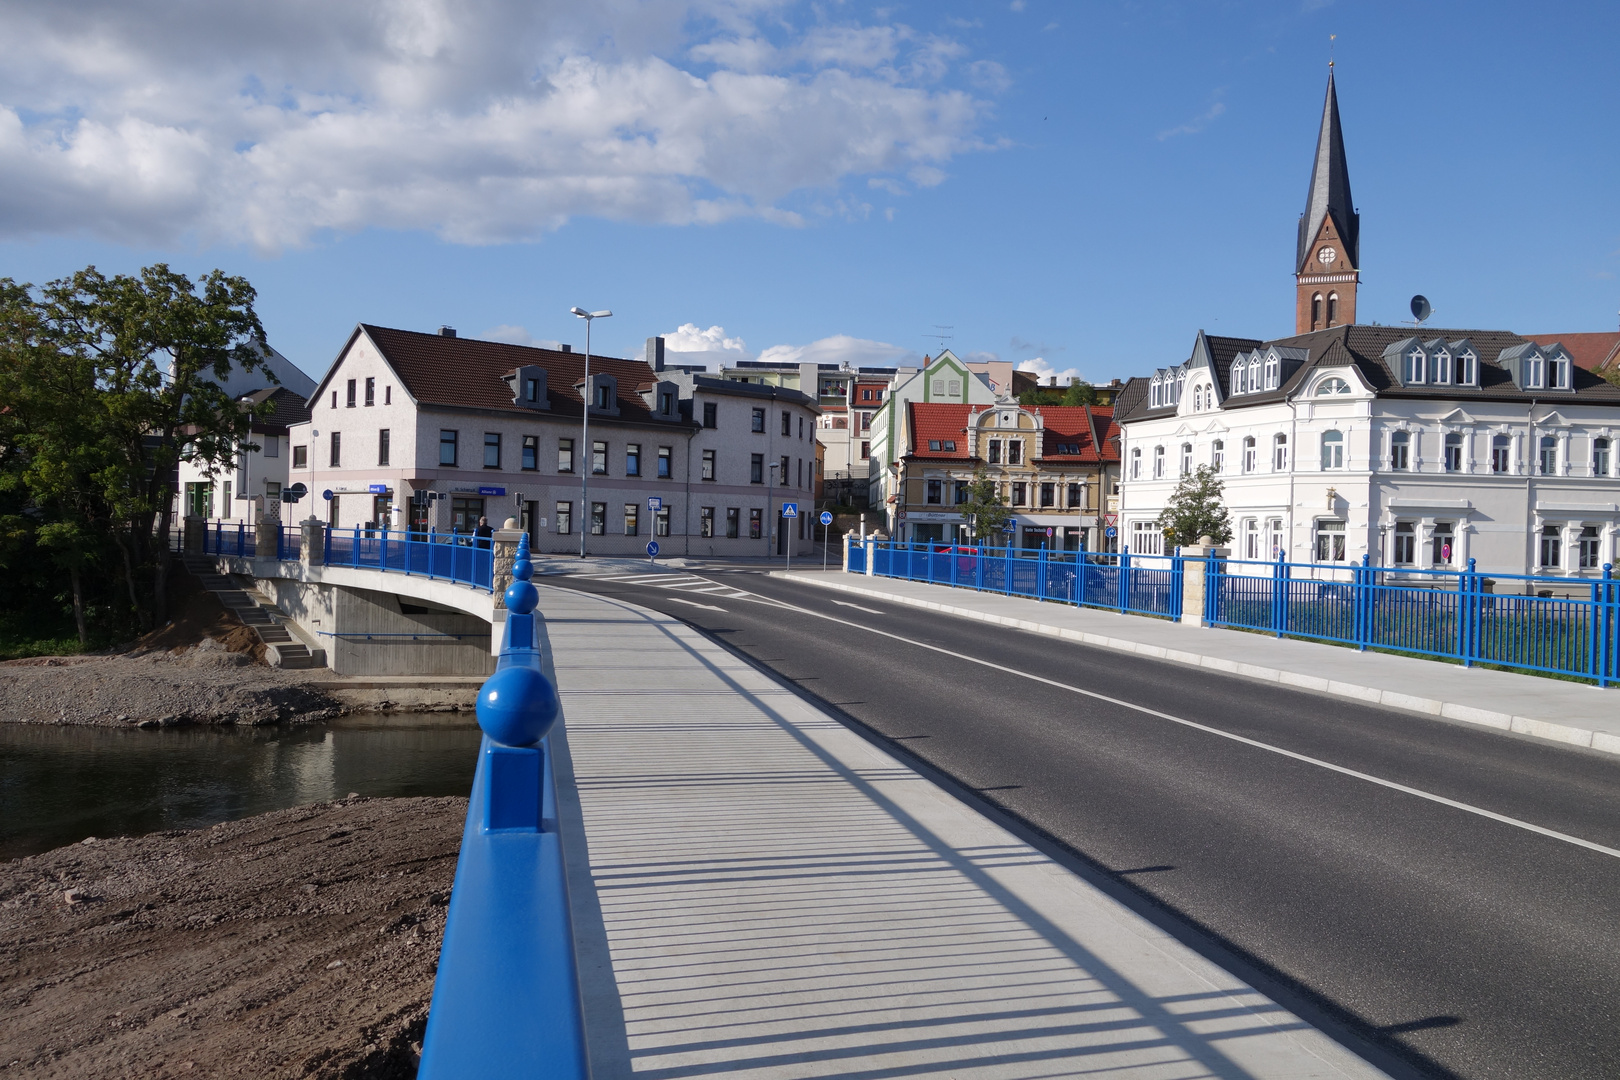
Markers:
531,389
1535,372
1254,372
603,400
1442,367
1155,393
1557,372
1273,370
1468,369
1414,368
1330,387
1237,376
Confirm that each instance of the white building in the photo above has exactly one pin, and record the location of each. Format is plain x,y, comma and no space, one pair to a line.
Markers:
254,485
1420,451
436,431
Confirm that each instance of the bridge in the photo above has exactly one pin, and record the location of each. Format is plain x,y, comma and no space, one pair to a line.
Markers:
698,871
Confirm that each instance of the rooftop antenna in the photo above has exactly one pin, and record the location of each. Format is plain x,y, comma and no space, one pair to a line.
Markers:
943,337
1421,309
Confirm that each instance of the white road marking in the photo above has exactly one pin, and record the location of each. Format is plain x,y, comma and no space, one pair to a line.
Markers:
1195,725
857,607
694,603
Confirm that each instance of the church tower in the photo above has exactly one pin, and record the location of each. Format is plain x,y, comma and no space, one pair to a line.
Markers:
1327,262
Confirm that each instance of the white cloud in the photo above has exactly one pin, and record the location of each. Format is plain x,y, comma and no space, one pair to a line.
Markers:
1196,124
688,338
842,349
1046,371
517,335
484,121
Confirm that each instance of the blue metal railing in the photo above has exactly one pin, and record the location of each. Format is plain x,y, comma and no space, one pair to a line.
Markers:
506,996
452,556
1138,584
1454,614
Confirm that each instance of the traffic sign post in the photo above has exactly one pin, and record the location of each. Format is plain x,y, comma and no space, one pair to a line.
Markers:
652,547
655,503
789,510
826,537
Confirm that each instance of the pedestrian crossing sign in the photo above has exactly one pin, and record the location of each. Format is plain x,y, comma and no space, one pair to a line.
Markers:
790,510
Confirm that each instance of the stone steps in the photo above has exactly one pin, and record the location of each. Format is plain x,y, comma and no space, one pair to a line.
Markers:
242,598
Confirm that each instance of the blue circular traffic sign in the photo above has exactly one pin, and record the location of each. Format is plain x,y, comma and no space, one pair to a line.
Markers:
652,549
826,517
1111,532
327,494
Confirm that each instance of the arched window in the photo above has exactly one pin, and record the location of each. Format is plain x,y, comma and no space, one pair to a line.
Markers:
1273,368
1155,393
1414,366
1248,454
1198,398
1400,451
1279,452
1442,366
1254,371
1333,308
1136,463
1158,462
1332,449
1316,311
1186,458
1600,457
1330,387
1217,457
1237,375
1555,372
1467,369
1501,454
1535,371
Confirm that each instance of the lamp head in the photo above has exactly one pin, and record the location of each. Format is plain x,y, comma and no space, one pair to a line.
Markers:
581,312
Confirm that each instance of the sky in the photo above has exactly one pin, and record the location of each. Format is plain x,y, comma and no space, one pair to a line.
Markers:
1076,187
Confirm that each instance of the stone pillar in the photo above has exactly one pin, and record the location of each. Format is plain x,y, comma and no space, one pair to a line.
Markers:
265,537
1194,586
871,551
191,535
313,549
506,543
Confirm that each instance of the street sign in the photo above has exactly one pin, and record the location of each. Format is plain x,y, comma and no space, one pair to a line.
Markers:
654,502
1110,519
1010,527
378,489
1050,531
826,517
1111,532
490,491
327,494
790,510
297,491
652,549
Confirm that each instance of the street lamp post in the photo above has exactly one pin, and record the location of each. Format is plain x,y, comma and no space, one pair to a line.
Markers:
584,457
770,504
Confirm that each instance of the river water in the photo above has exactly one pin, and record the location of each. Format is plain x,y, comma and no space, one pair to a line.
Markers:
59,785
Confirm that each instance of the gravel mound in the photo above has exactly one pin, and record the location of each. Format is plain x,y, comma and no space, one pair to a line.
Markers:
300,943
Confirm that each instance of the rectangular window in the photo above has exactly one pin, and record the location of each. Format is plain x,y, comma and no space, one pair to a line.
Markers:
706,522
1275,527
1441,546
1217,455
1015,451
565,518
1077,496
784,467
1249,454
272,491
1330,541
599,455
866,421
464,514
447,447
632,459
935,493
787,423
371,391
1454,453
1279,453
598,519
1048,494
1600,457
1501,453
492,450
1400,451
661,522
731,522
711,412
1186,458
565,455
1552,547
632,512
755,516
1018,493
300,457
337,449
1158,463
531,453
708,465
1332,450
866,450
1251,539
388,395
759,420
383,439
995,452
756,468
271,446
334,399
1146,538
1588,547
1549,455
665,464
350,398
1405,543
798,472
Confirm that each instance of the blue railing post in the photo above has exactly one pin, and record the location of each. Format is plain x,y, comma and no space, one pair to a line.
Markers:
1177,598
1361,584
1007,581
1467,583
506,994
1279,595
1608,616
1124,579
1212,589
1040,574
978,565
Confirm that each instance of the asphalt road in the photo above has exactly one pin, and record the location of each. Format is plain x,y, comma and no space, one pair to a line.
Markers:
1466,945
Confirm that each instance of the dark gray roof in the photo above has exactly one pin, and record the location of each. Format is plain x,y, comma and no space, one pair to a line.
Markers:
1134,406
1329,194
290,409
754,390
1132,395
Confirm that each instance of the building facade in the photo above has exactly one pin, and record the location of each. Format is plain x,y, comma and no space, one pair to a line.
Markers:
253,488
434,431
943,379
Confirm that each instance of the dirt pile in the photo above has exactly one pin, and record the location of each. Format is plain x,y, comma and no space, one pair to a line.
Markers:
300,943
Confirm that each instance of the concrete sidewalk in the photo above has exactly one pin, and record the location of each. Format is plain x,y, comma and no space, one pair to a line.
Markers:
1566,712
758,892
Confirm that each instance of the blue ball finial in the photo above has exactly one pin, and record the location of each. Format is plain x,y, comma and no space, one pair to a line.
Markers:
522,568
517,706
521,597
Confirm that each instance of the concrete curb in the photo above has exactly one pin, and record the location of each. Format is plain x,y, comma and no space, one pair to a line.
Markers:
1468,714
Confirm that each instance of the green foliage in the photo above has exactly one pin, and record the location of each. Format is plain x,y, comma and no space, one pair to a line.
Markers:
1195,510
106,384
1076,393
985,511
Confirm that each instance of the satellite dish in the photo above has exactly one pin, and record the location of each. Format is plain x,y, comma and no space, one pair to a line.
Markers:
1421,309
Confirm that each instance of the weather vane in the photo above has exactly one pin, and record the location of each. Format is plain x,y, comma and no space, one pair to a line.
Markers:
1331,39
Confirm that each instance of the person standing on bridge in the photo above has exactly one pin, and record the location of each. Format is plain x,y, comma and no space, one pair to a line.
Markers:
482,533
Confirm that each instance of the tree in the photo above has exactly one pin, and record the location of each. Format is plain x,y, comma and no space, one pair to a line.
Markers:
984,509
1080,392
1195,510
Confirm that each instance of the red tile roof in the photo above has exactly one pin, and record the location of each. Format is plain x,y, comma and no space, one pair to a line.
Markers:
1088,428
467,373
938,421
1594,352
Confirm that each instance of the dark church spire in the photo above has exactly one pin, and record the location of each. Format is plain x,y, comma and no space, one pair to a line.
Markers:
1330,192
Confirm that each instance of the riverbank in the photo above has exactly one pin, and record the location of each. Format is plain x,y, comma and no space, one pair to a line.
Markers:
299,943
207,683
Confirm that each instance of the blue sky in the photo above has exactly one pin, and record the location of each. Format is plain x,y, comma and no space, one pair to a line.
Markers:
1078,187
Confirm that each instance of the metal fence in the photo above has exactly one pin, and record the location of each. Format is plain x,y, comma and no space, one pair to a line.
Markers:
1557,625
453,556
1138,584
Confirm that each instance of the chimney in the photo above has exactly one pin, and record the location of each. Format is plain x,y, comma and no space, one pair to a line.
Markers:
1051,380
655,353
447,331
566,348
